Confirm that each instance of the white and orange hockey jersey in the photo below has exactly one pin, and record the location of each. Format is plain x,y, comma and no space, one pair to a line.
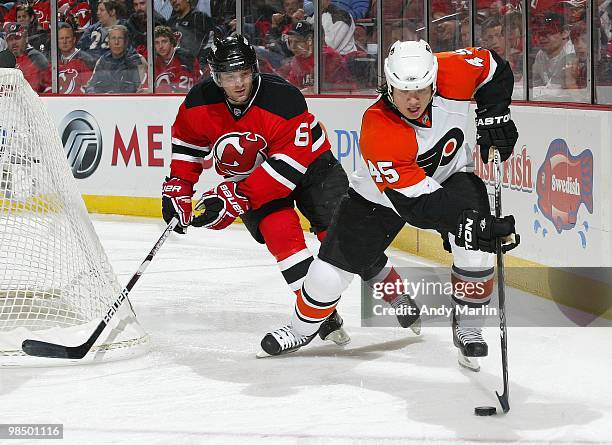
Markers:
415,157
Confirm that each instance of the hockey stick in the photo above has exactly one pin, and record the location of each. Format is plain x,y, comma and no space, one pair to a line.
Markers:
501,283
43,349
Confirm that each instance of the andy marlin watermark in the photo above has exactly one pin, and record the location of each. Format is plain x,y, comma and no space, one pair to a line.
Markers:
437,293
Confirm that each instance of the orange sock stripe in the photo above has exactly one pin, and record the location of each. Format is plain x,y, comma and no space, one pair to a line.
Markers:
308,311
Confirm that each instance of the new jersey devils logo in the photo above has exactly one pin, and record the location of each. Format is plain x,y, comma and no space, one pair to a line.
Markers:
163,78
239,153
442,153
67,80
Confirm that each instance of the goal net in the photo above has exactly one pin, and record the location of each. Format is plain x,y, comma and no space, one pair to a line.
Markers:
56,282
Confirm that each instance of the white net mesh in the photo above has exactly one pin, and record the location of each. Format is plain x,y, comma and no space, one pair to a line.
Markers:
55,279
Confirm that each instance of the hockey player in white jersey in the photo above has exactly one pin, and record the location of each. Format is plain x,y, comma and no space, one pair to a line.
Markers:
418,169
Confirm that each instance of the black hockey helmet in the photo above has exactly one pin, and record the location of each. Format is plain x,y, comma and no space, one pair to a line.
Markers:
231,54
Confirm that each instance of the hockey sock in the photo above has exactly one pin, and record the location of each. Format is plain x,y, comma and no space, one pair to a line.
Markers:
473,286
319,296
285,240
389,280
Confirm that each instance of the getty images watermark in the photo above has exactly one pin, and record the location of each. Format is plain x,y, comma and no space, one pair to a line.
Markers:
577,297
433,293
424,288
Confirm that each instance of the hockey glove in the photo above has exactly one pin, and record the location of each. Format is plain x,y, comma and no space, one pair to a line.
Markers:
176,201
220,206
479,231
494,127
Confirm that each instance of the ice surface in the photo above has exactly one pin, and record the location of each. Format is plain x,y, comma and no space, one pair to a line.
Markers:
207,299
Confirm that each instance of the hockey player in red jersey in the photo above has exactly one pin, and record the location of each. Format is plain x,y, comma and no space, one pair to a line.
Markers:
273,155
418,169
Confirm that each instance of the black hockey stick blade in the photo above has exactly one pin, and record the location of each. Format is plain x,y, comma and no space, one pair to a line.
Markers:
503,401
52,350
39,348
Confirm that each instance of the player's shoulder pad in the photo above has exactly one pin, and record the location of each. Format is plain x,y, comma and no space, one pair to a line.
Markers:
205,92
279,97
461,71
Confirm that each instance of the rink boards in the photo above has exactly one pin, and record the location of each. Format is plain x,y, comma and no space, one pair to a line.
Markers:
557,183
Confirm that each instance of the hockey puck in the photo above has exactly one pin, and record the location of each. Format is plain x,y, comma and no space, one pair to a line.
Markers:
485,411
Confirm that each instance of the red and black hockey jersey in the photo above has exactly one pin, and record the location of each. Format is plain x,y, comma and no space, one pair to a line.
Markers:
267,146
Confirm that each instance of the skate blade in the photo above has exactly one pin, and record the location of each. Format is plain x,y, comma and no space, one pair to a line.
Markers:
470,363
264,354
416,327
339,337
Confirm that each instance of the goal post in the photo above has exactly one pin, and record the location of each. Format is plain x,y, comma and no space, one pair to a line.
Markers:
56,282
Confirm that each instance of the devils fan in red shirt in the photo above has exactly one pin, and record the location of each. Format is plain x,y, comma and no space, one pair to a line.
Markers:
176,70
75,65
273,154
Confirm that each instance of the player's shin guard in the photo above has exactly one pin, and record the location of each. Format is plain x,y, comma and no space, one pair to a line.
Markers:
406,309
472,293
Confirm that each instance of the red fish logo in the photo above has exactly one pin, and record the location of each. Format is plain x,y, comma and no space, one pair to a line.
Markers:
563,183
239,153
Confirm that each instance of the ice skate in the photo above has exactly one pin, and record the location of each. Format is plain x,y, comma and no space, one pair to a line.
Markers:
285,340
407,313
470,345
331,329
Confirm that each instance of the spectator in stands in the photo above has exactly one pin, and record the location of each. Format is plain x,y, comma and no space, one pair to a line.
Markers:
338,28
357,8
494,37
223,13
95,38
299,70
125,9
137,25
282,22
258,20
38,38
75,66
163,8
121,70
195,29
445,33
30,61
176,70
77,13
550,61
576,64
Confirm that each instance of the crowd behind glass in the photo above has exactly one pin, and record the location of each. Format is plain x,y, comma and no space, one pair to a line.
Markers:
559,50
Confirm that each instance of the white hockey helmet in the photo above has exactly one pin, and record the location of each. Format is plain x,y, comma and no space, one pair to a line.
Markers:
411,65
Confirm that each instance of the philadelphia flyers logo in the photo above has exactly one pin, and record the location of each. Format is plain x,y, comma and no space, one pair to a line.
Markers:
239,153
67,80
442,153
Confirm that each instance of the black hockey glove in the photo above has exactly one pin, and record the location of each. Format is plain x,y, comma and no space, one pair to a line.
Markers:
479,231
494,127
176,201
